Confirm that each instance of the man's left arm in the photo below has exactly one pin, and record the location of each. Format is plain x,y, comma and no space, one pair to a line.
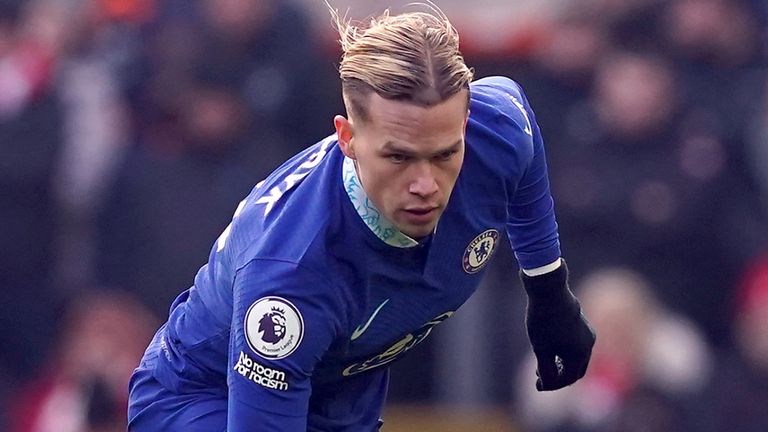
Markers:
560,336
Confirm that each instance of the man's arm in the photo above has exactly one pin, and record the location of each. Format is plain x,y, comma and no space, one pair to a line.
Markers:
560,336
284,319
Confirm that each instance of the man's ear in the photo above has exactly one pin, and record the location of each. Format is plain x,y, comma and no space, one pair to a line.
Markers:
344,133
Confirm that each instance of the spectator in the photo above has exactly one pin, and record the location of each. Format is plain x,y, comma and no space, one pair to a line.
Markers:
30,142
738,394
646,184
263,50
90,74
83,387
720,65
153,234
648,363
223,113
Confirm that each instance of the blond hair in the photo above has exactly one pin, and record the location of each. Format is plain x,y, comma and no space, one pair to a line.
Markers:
412,57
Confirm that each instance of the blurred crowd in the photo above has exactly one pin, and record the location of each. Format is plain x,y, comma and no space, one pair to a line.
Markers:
129,130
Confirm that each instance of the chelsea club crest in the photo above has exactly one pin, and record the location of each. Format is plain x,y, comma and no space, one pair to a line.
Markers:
479,251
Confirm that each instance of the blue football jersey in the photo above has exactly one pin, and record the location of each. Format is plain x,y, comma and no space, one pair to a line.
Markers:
310,294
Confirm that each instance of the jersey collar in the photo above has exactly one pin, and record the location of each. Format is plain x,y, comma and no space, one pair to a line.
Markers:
368,212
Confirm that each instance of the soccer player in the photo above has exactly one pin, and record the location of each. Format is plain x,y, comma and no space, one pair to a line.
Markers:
350,253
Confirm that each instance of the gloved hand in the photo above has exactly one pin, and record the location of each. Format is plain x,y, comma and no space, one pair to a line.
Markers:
561,337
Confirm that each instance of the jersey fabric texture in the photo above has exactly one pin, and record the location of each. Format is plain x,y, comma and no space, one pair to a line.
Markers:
309,294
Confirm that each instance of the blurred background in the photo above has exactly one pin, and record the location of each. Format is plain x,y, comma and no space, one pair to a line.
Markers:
130,130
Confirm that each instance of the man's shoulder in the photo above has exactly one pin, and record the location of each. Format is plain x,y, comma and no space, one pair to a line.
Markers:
500,118
495,87
284,214
498,96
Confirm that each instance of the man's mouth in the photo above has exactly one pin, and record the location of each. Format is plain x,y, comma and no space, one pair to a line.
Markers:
420,215
421,210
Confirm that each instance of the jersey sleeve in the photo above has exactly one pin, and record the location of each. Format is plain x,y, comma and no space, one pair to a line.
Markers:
284,318
531,225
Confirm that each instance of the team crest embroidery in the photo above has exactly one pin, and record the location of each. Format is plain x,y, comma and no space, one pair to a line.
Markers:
273,327
479,251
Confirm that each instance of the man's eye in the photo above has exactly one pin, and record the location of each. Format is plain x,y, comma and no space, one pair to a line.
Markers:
397,157
444,156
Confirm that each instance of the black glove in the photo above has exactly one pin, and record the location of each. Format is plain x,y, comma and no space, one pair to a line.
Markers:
561,337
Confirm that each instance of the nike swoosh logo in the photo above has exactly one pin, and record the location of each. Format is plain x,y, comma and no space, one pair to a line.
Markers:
359,331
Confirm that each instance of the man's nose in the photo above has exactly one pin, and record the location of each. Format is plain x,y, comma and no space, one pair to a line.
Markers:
423,183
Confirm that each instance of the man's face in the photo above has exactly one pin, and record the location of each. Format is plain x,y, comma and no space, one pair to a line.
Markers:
408,157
